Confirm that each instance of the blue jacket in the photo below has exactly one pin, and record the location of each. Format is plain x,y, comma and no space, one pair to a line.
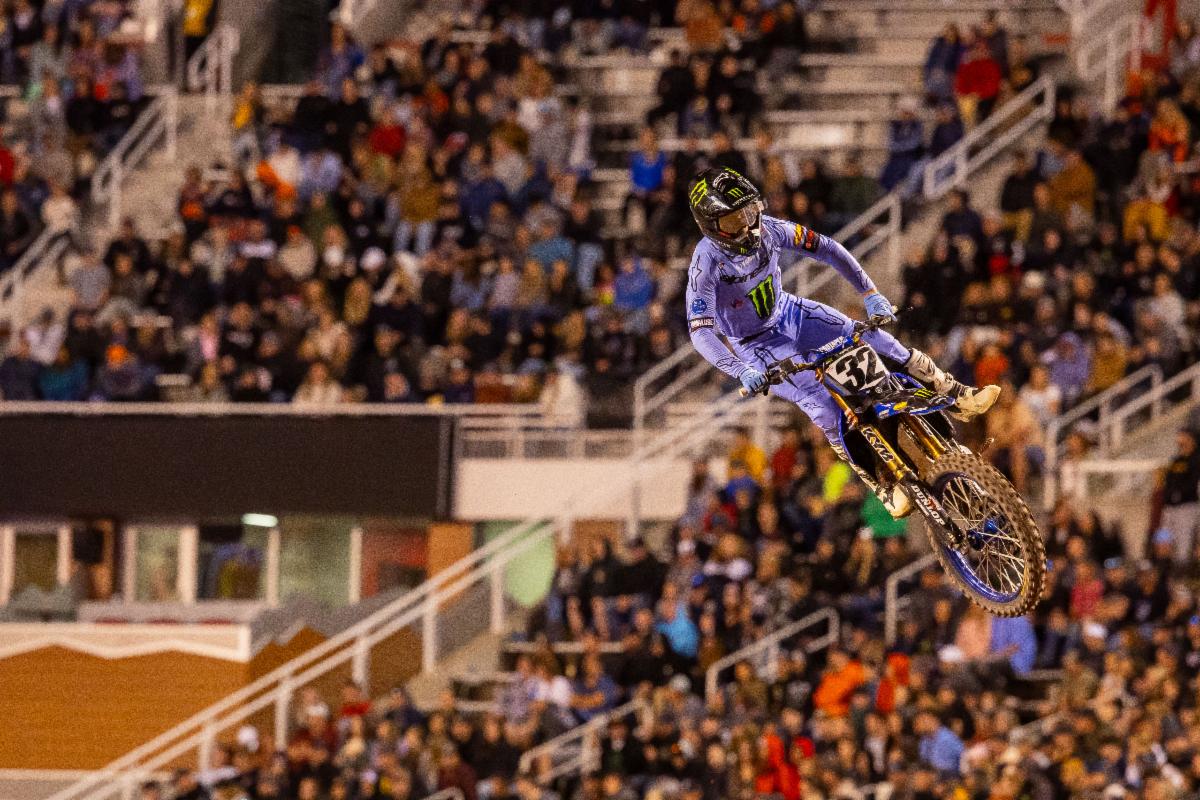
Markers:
941,750
1009,631
681,634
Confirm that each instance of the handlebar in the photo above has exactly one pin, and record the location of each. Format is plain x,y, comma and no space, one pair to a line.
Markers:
781,370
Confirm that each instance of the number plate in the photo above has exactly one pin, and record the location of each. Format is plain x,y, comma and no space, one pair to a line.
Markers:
857,369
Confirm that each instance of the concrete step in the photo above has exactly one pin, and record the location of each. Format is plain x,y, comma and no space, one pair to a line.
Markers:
1153,439
838,77
481,656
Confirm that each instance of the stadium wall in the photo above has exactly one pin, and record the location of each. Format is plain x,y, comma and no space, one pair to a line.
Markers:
508,489
158,465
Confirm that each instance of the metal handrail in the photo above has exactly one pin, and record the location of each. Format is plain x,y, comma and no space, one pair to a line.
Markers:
891,593
159,121
1127,477
953,167
565,648
211,67
1111,428
1101,402
770,645
47,248
579,732
1154,400
1117,42
353,644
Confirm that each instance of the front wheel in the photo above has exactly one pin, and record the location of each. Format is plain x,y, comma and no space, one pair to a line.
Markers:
1001,561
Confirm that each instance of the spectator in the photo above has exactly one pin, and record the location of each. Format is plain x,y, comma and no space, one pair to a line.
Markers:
977,83
852,192
90,283
675,88
65,379
595,691
1073,189
947,129
16,228
1181,505
1016,198
906,145
940,748
319,387
19,374
941,65
123,377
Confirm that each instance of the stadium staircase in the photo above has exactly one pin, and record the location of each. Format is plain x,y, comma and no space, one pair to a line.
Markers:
863,57
1132,432
138,179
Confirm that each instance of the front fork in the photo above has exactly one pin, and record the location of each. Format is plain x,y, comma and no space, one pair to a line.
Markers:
935,446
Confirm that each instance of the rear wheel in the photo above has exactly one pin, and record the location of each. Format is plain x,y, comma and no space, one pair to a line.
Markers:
1001,564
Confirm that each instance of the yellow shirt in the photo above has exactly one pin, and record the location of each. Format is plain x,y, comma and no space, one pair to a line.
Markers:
753,457
195,17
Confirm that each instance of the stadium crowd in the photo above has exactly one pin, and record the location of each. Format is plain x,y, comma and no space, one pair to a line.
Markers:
77,75
421,226
1093,695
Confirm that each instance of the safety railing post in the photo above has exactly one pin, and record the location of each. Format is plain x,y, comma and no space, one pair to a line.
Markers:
496,583
114,203
1110,70
1051,456
429,635
773,661
172,123
226,50
360,665
283,699
205,750
895,227
891,590
890,601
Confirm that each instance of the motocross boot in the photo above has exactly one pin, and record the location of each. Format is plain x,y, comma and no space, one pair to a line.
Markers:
969,401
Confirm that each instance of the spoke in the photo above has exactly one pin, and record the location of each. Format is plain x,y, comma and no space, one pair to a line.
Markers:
997,561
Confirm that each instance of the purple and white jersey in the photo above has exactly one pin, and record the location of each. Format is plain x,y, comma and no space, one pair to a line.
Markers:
738,296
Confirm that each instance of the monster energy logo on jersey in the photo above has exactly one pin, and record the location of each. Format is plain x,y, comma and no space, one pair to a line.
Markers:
763,297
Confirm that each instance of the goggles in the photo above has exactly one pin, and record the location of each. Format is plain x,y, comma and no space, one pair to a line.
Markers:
736,223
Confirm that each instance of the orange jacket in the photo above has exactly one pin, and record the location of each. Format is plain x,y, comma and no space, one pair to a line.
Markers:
833,693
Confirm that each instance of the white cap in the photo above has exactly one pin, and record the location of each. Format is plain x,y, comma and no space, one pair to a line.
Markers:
373,259
247,738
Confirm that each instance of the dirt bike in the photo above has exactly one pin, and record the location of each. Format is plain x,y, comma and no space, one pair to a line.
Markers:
980,528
